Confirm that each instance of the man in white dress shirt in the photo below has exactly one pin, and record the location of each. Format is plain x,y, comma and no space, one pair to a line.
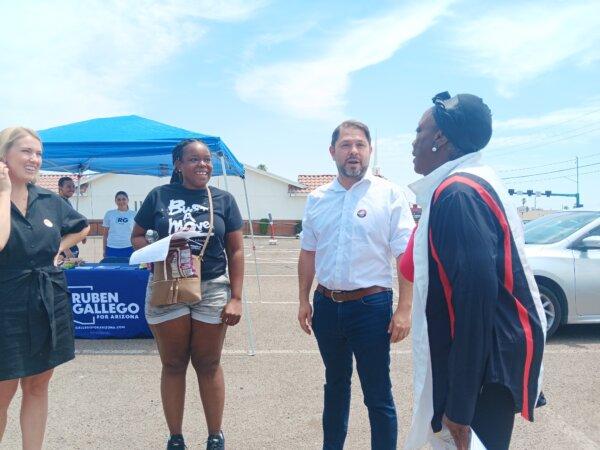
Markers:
353,229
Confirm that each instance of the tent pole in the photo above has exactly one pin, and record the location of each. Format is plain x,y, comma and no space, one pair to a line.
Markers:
78,191
222,156
248,318
252,237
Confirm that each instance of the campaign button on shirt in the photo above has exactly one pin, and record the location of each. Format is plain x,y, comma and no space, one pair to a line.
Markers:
356,232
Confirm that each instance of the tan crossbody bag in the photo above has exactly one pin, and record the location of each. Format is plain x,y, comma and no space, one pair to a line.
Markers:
178,278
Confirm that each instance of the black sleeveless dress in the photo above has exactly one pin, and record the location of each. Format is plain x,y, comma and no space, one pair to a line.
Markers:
36,321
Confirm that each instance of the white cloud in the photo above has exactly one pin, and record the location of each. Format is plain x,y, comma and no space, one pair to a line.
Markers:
517,43
395,159
576,116
315,88
398,147
218,10
68,60
570,128
268,40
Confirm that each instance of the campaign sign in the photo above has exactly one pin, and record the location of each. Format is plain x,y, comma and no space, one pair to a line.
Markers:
108,302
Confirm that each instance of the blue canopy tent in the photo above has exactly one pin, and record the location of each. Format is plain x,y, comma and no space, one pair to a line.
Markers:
126,144
132,145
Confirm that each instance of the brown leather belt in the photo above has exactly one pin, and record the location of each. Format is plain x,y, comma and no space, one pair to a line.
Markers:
348,296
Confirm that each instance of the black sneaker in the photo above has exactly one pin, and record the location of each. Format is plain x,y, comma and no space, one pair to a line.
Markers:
216,442
176,442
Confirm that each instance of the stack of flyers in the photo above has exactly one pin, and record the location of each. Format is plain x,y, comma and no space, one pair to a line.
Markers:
181,262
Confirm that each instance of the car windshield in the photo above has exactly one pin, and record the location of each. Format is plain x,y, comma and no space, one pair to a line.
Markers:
555,227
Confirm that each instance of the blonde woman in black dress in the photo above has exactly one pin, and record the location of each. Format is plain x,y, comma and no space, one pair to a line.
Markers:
36,323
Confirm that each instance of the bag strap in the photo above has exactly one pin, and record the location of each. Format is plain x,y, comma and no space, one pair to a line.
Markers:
211,222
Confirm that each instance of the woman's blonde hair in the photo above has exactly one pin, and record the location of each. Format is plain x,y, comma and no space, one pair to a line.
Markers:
10,135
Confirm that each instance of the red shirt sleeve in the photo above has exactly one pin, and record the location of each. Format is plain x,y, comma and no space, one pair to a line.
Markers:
407,266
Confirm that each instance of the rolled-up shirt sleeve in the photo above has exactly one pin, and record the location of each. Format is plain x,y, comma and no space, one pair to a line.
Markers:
308,238
71,220
401,222
145,215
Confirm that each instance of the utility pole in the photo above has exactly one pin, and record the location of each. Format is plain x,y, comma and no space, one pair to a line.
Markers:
548,193
577,203
376,169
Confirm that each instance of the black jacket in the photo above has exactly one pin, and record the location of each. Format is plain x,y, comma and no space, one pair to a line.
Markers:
482,321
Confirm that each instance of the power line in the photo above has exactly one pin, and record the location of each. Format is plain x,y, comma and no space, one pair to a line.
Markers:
558,124
548,140
587,173
553,178
549,172
537,167
562,133
572,119
545,143
518,169
589,156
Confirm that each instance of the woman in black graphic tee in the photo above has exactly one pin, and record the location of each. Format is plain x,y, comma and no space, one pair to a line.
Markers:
195,332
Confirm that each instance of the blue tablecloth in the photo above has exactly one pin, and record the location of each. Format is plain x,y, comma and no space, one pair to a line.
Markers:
108,301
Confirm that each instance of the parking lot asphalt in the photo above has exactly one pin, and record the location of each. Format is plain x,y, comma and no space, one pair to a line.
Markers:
108,397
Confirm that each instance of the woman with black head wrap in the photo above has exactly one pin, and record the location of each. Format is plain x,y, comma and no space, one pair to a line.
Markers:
478,323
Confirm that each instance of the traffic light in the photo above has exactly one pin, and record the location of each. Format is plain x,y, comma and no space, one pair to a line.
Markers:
548,193
530,192
511,192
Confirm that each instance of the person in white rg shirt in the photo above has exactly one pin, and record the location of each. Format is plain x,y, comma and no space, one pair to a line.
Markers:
353,229
118,225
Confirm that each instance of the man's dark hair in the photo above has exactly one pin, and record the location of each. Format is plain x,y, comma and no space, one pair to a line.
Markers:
350,124
122,193
63,180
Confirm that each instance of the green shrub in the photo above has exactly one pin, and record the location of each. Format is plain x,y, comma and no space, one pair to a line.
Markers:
263,226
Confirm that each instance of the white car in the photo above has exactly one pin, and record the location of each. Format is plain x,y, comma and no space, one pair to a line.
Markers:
563,249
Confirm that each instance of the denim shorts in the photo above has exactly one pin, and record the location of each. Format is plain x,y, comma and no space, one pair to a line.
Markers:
215,295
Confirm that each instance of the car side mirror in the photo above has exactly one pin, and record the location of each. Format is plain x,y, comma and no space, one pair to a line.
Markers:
590,243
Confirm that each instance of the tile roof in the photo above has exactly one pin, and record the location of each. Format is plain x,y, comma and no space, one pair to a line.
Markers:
311,182
50,181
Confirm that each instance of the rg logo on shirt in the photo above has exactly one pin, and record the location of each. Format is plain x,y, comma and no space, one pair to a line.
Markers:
361,213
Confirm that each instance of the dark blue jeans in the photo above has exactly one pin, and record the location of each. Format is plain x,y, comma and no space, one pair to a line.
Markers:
357,327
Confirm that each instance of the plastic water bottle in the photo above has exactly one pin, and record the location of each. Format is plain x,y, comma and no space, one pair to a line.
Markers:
151,236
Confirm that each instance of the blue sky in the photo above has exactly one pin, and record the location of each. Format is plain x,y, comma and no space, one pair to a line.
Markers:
273,78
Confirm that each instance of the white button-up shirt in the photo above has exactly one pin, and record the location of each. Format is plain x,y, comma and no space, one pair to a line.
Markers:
356,232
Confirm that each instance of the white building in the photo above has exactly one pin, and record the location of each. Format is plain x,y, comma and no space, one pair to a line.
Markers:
267,193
